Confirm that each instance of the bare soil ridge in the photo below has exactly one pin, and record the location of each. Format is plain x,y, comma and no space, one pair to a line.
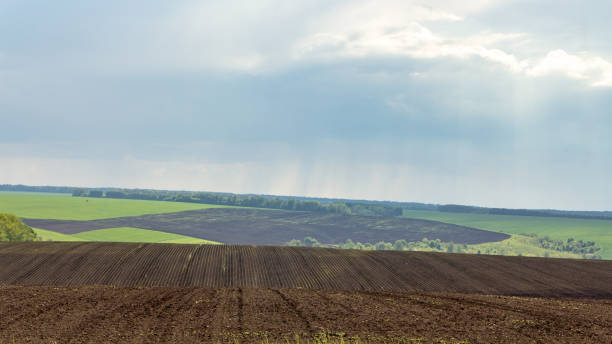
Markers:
277,227
214,266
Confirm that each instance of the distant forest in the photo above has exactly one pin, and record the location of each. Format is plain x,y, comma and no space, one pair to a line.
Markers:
330,205
26,188
247,201
598,215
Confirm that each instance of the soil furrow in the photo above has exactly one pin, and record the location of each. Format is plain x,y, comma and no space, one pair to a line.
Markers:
198,315
125,264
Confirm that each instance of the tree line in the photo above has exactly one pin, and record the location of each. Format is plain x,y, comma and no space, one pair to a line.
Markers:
587,249
569,245
455,208
27,188
254,201
359,207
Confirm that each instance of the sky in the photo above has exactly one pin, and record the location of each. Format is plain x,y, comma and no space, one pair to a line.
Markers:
502,103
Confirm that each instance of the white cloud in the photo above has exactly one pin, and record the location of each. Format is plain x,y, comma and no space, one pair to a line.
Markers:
465,7
593,69
394,27
413,40
272,35
255,37
378,14
373,15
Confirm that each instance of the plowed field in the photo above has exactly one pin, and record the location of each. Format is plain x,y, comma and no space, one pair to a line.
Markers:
277,227
197,315
129,264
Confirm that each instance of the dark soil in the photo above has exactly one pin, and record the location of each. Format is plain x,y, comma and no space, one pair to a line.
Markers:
234,315
277,227
129,264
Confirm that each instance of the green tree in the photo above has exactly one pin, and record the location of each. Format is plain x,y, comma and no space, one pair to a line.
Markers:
400,245
450,248
115,194
349,244
382,246
79,192
310,241
96,193
13,229
295,242
339,208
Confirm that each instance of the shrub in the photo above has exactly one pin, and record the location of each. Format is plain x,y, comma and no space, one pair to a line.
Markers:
13,229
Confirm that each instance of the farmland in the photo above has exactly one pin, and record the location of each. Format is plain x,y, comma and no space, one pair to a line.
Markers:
65,207
599,231
137,292
277,227
101,290
128,292
45,235
125,234
94,314
131,264
60,217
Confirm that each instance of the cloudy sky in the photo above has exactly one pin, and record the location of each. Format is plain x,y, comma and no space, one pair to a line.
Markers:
498,103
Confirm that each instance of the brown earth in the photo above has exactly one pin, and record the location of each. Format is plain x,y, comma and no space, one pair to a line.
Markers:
277,227
231,315
139,265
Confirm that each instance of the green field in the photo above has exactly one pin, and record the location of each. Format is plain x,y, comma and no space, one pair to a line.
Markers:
558,228
514,246
45,235
125,234
65,207
518,245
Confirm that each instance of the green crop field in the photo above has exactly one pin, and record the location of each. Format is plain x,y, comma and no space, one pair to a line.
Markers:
65,207
125,234
45,235
518,245
558,228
